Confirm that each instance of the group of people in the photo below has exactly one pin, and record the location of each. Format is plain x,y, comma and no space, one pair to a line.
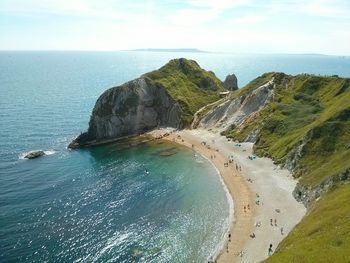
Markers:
246,208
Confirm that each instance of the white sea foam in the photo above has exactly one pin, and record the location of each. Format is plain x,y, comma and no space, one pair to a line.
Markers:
49,152
229,220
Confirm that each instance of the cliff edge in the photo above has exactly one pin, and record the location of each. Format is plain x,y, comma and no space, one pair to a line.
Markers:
167,97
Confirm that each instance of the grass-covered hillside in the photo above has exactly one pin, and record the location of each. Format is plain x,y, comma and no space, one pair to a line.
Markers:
188,84
306,126
323,235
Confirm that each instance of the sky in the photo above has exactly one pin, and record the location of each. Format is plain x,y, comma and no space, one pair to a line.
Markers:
239,26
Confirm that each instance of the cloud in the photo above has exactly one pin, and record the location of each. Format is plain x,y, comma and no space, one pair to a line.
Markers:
313,8
84,8
221,25
203,11
324,8
250,19
218,4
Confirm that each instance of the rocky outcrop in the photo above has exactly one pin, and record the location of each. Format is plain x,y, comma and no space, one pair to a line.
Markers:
167,97
307,195
130,109
230,82
233,112
34,154
293,157
253,136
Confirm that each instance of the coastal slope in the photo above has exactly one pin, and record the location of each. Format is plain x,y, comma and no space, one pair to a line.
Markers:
303,124
167,97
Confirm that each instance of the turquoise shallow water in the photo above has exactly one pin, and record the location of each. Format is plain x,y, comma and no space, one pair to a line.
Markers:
107,205
99,204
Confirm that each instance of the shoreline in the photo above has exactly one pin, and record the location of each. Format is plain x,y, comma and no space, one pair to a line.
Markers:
254,203
240,223
230,219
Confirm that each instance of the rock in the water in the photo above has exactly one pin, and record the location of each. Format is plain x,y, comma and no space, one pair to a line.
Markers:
34,154
230,82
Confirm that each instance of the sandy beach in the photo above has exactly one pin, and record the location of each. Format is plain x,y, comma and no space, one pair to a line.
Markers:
264,209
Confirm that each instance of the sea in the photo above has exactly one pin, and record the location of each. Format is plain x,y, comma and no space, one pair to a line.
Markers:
110,203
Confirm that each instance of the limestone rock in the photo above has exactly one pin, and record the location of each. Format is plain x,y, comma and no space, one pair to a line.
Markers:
130,109
230,82
234,112
167,97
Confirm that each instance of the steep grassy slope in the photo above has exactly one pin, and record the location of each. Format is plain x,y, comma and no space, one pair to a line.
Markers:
188,84
323,235
306,127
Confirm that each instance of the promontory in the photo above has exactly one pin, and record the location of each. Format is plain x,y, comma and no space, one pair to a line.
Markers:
301,122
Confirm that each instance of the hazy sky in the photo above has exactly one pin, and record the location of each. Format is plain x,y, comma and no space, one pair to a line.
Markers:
248,26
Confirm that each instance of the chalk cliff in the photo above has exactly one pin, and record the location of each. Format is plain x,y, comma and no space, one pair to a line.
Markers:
167,97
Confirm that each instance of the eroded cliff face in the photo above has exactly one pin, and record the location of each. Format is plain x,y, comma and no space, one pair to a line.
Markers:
302,122
130,109
166,97
233,112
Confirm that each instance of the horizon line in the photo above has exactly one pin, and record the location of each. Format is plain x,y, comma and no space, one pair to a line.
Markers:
173,50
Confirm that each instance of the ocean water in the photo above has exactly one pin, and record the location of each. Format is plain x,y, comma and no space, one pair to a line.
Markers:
107,204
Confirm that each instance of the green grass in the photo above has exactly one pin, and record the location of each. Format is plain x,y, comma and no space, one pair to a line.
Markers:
306,108
188,84
316,111
323,235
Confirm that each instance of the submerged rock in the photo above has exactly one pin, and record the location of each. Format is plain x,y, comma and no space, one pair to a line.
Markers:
34,154
230,82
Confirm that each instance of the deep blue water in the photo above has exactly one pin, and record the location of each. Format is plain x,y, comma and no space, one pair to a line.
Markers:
99,204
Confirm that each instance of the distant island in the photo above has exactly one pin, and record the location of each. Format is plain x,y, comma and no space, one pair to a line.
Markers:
189,50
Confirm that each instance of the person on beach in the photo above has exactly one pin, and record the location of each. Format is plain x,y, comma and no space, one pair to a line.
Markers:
229,237
270,250
245,210
271,222
282,231
275,222
248,206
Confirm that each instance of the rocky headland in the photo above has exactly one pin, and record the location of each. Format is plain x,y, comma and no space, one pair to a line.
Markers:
167,97
301,122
